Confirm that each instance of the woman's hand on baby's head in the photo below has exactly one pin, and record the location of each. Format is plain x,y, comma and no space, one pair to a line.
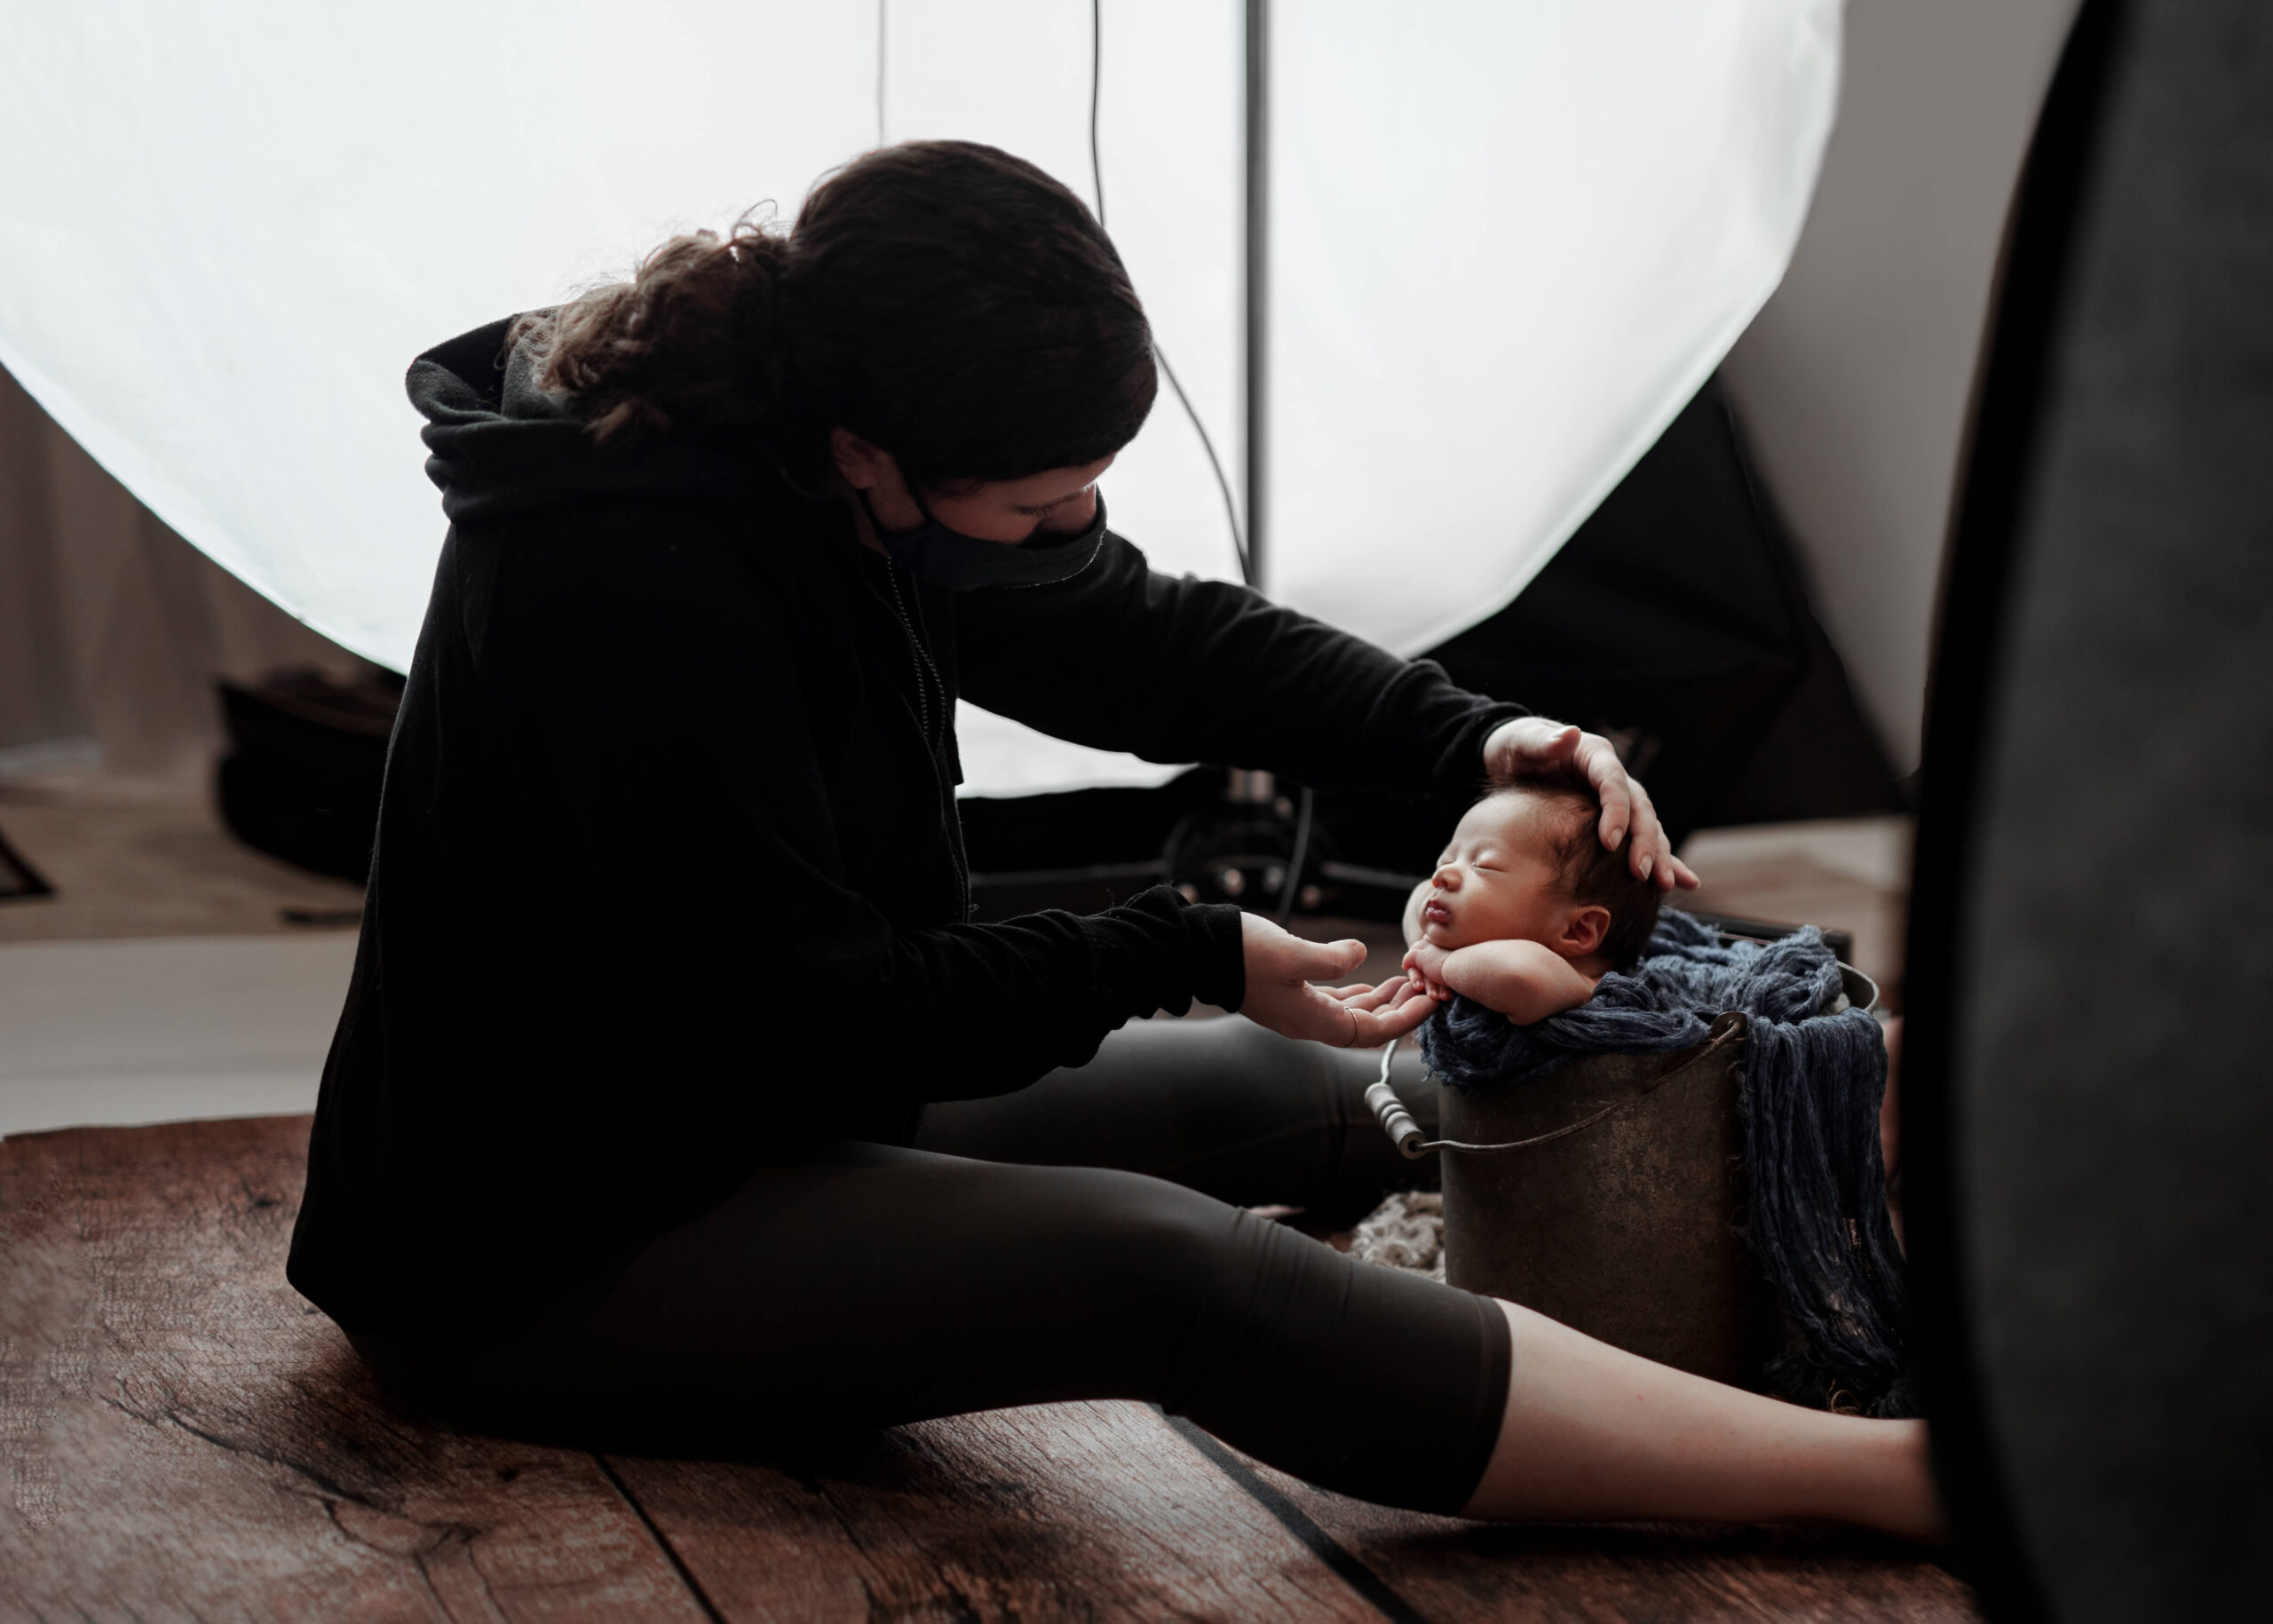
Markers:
1626,811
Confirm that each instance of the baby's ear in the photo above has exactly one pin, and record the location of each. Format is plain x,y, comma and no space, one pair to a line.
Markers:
1584,931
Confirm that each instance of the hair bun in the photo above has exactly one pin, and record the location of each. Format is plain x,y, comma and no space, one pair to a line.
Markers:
944,300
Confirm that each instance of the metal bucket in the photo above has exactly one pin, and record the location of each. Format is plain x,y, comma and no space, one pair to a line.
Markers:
1621,1219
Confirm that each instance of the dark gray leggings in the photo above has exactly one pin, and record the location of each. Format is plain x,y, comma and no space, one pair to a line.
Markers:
1034,1247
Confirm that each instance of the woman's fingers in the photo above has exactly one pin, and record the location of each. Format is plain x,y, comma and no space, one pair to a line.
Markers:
1273,954
1670,871
1343,1023
1558,741
1304,960
1389,995
1403,991
1650,852
1629,820
1365,1018
1528,740
1372,1028
1597,758
1629,815
1282,993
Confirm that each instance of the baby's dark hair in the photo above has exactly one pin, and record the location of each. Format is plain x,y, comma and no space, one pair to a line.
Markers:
1591,872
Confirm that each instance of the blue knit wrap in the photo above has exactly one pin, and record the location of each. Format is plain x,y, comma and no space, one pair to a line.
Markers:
1811,1093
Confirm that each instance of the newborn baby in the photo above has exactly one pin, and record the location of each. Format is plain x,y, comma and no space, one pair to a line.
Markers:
1528,910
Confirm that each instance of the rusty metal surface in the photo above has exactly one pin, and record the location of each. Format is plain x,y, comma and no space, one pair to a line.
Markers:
1628,1230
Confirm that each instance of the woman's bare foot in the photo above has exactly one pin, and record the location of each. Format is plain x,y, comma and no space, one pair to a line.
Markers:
1592,1432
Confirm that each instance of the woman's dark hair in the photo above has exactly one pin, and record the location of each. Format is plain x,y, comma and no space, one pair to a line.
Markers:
943,300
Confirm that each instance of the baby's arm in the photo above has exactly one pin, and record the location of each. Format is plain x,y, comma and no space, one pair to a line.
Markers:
1523,980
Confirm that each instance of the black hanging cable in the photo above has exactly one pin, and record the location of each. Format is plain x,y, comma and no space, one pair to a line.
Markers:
1097,98
1096,87
1222,480
1175,384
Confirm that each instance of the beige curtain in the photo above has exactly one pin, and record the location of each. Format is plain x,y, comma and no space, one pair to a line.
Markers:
113,628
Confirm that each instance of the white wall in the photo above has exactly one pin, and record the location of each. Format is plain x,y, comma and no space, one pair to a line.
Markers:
1854,381
168,1030
113,628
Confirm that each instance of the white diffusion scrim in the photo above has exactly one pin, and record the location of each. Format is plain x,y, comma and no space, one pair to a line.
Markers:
1510,239
228,229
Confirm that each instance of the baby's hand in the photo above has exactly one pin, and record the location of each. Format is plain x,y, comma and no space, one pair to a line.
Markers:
1425,961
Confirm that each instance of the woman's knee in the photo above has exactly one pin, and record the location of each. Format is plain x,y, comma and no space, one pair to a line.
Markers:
1159,1244
1203,1285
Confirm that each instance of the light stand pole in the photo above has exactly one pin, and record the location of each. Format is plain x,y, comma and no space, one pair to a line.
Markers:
1251,787
1257,281
1281,879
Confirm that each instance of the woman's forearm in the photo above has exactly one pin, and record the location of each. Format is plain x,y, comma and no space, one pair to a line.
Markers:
1177,668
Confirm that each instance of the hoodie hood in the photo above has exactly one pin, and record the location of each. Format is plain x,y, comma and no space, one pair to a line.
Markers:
501,447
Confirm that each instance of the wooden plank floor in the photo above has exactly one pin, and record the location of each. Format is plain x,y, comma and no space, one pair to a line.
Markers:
181,1435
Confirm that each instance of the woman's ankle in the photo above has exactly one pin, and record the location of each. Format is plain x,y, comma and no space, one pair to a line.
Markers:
1893,1490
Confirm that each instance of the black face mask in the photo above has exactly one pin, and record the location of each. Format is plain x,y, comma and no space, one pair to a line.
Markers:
959,562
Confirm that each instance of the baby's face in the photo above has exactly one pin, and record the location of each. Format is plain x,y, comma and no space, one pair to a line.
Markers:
1496,880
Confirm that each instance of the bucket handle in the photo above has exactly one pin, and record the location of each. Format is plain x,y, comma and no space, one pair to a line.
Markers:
1404,1133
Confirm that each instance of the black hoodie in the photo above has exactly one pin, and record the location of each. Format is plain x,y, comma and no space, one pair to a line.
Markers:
668,881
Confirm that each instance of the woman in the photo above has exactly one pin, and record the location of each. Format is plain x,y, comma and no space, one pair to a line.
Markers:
634,1126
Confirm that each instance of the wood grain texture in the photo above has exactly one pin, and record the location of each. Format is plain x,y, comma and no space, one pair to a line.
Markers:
182,1436
1637,1574
1057,1511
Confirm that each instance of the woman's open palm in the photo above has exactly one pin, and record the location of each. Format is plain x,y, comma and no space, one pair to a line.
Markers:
1280,967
